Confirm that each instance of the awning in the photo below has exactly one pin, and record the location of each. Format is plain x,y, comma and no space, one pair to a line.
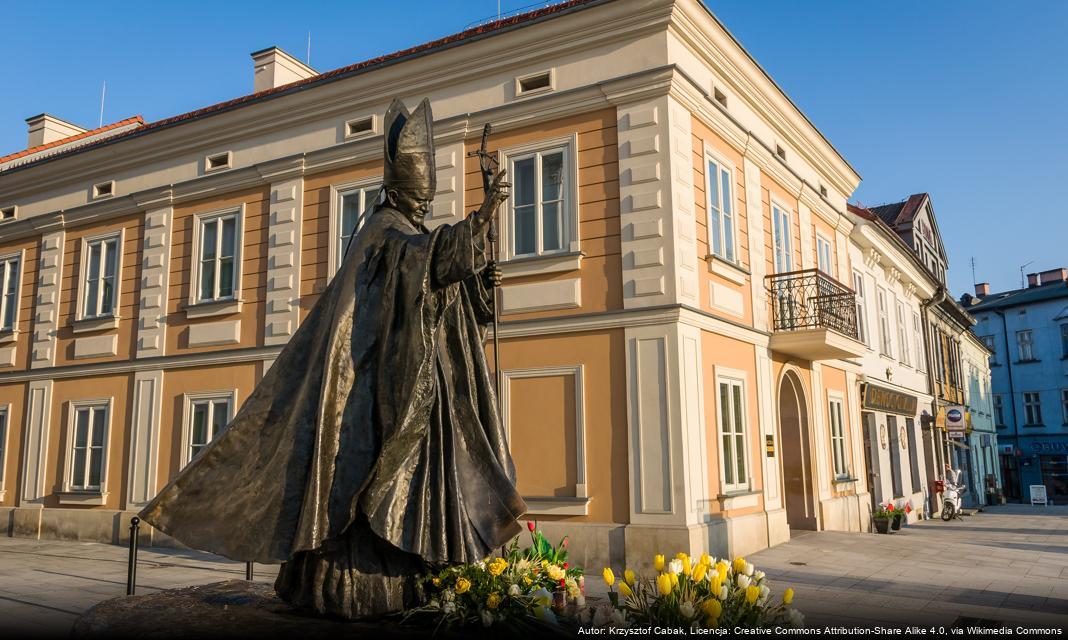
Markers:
958,444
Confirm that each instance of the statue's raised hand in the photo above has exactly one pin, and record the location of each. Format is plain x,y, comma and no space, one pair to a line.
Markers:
498,193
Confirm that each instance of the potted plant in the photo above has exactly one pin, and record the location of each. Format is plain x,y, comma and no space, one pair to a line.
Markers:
896,515
882,517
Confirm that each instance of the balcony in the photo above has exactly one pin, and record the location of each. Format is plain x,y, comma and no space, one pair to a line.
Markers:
813,316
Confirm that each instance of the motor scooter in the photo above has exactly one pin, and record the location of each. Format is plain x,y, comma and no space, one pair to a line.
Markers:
951,499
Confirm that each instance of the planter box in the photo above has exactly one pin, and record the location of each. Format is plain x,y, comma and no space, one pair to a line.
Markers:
882,525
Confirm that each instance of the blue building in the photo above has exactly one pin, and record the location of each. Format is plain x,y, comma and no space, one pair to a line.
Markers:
1027,331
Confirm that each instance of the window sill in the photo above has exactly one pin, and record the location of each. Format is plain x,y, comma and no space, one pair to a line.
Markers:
96,498
736,273
102,323
844,480
557,506
542,265
738,499
212,309
8,336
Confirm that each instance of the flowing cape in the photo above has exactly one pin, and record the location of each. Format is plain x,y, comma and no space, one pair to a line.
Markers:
382,404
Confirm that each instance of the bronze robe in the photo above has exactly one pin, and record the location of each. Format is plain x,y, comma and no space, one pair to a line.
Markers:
372,447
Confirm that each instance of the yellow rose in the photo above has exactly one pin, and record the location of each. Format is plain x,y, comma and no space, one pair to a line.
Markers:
739,565
498,566
712,608
788,596
555,572
699,573
658,562
628,577
752,592
609,577
544,564
462,585
437,582
527,581
625,590
493,600
663,583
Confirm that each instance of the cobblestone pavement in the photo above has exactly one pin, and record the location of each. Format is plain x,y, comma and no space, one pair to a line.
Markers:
1009,564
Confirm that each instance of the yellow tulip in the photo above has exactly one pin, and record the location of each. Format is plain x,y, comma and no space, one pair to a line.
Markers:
739,565
712,608
699,573
609,577
462,585
721,569
625,590
628,577
682,554
674,579
717,583
686,568
788,596
706,560
658,562
663,584
711,622
752,592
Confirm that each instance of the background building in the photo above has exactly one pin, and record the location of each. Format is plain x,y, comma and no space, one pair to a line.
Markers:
979,462
1026,330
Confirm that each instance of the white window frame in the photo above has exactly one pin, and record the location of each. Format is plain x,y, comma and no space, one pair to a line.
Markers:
198,222
337,193
732,379
917,334
861,299
839,454
5,430
570,208
783,251
5,275
824,245
991,343
73,407
903,333
728,238
83,274
188,400
1028,343
1032,410
886,345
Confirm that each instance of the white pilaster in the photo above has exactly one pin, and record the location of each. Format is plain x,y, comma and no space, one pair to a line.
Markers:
448,206
283,260
804,222
766,414
144,438
46,313
754,212
35,443
818,430
155,275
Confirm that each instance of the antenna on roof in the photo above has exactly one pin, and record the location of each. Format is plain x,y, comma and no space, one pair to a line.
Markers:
973,270
498,10
1023,283
308,61
103,92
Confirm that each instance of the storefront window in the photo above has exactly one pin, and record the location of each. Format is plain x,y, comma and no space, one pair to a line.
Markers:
1055,476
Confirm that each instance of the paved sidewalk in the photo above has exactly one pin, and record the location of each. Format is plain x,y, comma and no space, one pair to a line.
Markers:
1008,564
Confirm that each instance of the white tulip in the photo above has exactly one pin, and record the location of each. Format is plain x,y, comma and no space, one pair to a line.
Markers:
749,568
723,592
675,566
759,575
686,609
743,580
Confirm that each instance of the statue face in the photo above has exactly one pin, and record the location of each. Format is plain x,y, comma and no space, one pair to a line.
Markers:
413,203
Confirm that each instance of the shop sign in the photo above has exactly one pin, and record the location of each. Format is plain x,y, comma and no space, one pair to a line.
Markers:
1038,494
1049,446
956,421
888,400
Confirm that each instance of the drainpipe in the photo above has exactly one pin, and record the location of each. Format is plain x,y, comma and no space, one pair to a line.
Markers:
1012,401
937,298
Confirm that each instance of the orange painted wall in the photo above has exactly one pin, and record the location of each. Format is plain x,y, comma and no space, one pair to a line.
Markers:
13,396
30,249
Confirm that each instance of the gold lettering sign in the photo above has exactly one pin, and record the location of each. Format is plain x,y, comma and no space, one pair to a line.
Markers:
889,400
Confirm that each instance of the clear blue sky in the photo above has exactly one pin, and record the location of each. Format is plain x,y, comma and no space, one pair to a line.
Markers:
965,99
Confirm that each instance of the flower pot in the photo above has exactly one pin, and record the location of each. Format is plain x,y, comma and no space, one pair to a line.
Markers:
895,524
882,525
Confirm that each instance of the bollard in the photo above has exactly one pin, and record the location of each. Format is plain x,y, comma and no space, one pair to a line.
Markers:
248,571
131,569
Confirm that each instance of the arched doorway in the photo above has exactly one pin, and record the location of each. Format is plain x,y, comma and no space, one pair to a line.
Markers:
796,454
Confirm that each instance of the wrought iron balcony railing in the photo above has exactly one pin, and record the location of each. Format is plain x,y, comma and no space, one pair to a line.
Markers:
811,299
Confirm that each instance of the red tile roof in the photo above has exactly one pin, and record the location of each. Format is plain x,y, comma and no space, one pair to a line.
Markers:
74,138
489,28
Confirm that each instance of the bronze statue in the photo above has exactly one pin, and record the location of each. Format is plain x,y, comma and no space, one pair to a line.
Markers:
372,449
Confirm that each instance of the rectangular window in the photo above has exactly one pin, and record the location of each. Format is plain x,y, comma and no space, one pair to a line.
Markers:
352,204
1064,406
217,274
1025,345
101,267
862,307
1064,340
540,209
9,300
732,434
903,333
838,450
988,341
824,255
720,210
1033,407
884,323
208,417
784,257
87,446
917,334
999,410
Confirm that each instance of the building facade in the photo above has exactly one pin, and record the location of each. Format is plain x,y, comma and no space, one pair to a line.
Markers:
678,349
979,461
1026,331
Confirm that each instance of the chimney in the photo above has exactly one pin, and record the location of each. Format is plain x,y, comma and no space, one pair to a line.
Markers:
274,67
1053,275
1032,280
45,128
982,290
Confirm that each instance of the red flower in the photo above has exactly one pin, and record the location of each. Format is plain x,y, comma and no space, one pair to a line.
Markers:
564,543
565,565
530,526
563,583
